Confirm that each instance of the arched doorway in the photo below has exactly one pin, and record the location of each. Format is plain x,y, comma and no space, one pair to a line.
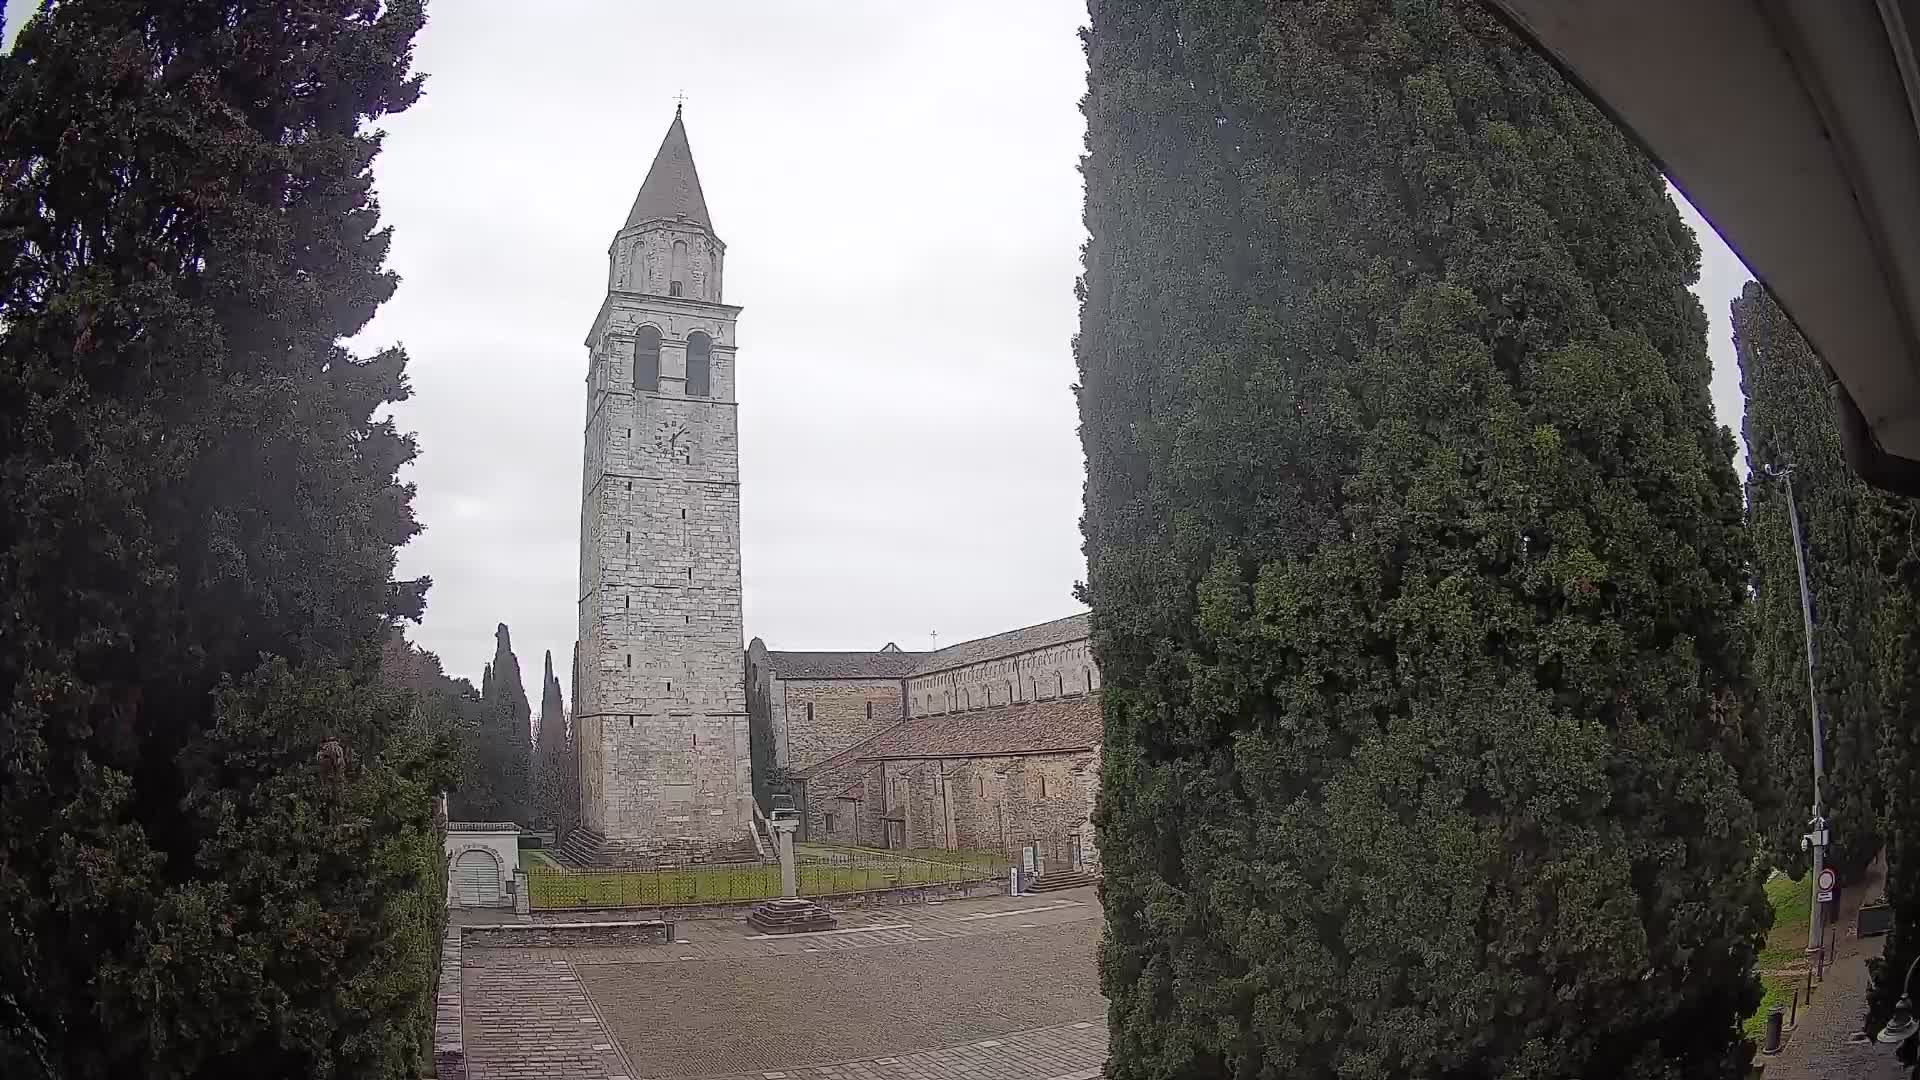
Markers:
476,879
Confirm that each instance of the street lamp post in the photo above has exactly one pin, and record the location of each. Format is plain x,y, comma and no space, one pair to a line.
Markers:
1816,840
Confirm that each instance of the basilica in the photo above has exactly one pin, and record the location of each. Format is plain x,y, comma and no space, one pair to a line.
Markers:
991,744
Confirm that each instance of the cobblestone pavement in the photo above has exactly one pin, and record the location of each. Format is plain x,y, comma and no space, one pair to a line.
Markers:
537,1022
1066,1052
1821,1046
967,990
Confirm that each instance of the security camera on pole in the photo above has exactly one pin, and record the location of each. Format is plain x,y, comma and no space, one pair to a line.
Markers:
1816,840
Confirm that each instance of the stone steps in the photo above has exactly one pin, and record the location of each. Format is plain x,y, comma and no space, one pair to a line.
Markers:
586,849
1056,880
582,848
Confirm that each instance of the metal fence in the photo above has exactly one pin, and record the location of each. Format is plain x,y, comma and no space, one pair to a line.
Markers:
819,872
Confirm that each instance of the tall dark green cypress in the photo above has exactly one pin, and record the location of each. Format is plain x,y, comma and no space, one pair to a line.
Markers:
504,751
1416,563
1790,421
1896,531
213,865
549,754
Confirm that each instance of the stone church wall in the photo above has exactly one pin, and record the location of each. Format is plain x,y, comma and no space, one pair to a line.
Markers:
795,724
826,716
999,804
1031,676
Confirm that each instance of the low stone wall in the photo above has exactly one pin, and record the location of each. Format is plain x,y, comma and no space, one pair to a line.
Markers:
610,933
449,1040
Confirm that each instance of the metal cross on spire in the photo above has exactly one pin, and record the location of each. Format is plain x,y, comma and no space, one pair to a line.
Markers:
679,100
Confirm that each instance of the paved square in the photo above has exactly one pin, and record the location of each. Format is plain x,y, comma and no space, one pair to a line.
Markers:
989,990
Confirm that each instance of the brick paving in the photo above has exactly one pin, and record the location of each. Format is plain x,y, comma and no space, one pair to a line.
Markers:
533,1021
781,1012
1064,1052
1002,989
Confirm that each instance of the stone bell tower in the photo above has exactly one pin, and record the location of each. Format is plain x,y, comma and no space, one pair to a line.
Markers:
662,712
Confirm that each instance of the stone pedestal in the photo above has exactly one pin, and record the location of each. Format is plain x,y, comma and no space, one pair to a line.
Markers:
791,915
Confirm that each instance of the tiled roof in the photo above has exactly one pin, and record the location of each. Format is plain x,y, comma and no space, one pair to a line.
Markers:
672,187
1026,727
1025,639
842,665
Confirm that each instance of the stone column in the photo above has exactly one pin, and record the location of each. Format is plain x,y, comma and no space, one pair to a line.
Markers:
783,833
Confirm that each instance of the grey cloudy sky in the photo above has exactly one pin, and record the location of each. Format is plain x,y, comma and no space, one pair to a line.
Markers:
897,185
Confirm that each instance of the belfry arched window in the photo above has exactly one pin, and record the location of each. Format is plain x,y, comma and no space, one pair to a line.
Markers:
699,365
677,284
646,360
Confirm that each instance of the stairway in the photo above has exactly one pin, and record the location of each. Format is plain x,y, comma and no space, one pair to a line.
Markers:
582,848
1056,880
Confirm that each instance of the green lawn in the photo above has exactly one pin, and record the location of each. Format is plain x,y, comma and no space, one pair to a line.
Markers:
843,871
1782,961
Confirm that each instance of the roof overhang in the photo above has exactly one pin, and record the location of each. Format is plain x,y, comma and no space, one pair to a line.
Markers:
1790,125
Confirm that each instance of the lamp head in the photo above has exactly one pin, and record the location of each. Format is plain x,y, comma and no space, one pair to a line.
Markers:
1901,1024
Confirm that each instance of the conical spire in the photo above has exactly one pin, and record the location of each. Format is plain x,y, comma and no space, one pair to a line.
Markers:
672,187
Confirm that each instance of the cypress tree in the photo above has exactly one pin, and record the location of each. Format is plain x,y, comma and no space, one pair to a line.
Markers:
1897,661
499,778
213,865
1416,563
1790,421
550,750
570,765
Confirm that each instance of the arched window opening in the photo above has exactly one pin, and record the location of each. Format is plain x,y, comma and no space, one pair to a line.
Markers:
646,361
699,365
677,284
673,288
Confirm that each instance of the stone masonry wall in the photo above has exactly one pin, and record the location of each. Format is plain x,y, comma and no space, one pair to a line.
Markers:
1030,676
999,804
665,756
821,717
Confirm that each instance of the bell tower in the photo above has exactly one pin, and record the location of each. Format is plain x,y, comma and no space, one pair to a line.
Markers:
662,713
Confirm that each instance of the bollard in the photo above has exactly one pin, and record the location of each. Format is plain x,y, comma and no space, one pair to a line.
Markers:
1774,1017
1793,1018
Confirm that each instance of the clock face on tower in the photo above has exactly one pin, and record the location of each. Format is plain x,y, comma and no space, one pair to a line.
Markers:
672,442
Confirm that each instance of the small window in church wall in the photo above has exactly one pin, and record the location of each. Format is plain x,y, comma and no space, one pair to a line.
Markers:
699,365
809,712
869,710
673,289
646,361
1063,683
677,285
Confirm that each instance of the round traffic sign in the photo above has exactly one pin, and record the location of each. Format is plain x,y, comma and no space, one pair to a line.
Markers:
1826,878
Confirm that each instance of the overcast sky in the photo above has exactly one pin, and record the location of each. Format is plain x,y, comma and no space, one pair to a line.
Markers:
898,191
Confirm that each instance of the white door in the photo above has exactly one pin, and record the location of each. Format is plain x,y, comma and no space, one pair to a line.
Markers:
476,880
